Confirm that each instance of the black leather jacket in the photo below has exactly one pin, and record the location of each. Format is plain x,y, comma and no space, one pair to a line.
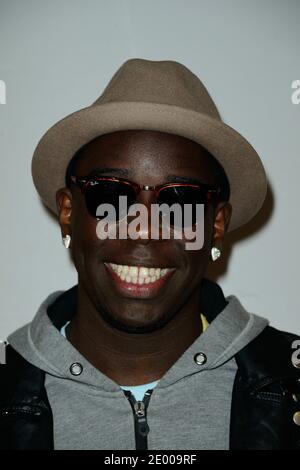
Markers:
265,396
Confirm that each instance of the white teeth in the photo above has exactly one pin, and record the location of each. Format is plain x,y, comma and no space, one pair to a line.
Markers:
138,274
143,272
133,271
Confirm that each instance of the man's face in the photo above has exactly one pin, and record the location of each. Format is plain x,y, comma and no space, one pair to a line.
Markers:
149,158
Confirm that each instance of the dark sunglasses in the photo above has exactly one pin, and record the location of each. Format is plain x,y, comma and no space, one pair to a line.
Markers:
107,190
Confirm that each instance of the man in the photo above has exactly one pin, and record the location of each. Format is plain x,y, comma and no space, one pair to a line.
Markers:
145,353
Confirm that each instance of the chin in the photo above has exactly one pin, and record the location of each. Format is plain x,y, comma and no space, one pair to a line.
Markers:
130,325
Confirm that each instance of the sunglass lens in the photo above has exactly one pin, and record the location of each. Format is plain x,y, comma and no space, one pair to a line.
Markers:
187,199
108,192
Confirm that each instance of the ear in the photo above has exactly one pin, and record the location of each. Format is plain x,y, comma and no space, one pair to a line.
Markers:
64,208
223,213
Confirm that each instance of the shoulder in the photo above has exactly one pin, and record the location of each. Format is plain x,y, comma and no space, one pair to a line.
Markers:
15,370
266,393
272,354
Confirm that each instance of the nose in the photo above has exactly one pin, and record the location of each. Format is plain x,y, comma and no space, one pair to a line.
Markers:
146,227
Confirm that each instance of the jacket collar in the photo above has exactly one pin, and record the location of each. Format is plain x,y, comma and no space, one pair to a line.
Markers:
265,359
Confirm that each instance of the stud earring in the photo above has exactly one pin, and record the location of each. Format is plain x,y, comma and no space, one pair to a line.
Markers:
215,253
66,241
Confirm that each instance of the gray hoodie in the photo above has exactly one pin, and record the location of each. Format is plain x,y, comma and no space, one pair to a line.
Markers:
188,409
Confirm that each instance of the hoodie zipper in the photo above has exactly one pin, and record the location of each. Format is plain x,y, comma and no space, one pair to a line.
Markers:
141,427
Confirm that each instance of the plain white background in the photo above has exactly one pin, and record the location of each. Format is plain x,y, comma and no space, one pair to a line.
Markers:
57,56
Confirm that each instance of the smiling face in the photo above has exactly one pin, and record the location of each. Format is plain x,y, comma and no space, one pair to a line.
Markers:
147,158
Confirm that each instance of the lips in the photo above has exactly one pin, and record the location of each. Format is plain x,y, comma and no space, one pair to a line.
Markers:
138,281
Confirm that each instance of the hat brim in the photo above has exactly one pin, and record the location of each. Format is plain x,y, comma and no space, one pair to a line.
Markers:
243,167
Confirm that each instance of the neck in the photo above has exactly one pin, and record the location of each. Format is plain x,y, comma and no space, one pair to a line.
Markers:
132,359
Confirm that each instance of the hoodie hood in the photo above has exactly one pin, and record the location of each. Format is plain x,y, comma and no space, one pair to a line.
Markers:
41,343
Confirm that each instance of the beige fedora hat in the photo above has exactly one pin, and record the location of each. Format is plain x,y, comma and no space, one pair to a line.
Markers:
154,95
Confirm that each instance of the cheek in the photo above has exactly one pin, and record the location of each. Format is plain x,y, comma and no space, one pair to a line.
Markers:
83,225
84,235
197,259
198,239
86,245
